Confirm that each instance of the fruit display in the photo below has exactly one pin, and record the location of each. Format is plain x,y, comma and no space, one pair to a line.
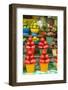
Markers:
39,44
29,58
43,44
44,61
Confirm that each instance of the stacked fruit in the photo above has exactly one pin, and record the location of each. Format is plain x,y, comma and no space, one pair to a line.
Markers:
43,44
29,59
34,28
44,60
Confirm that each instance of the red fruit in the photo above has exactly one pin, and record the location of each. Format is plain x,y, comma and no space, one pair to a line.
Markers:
28,47
32,43
27,57
42,40
47,60
41,44
33,61
27,62
30,39
42,61
44,52
28,43
32,57
33,47
42,56
45,42
29,52
45,46
43,33
46,56
32,51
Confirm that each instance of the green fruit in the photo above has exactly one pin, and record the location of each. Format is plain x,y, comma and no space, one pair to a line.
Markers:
34,26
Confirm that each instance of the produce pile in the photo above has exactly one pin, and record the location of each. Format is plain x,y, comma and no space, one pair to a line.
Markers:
39,43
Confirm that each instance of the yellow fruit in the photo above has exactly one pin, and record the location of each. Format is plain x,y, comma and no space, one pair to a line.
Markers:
34,30
34,38
37,38
35,24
